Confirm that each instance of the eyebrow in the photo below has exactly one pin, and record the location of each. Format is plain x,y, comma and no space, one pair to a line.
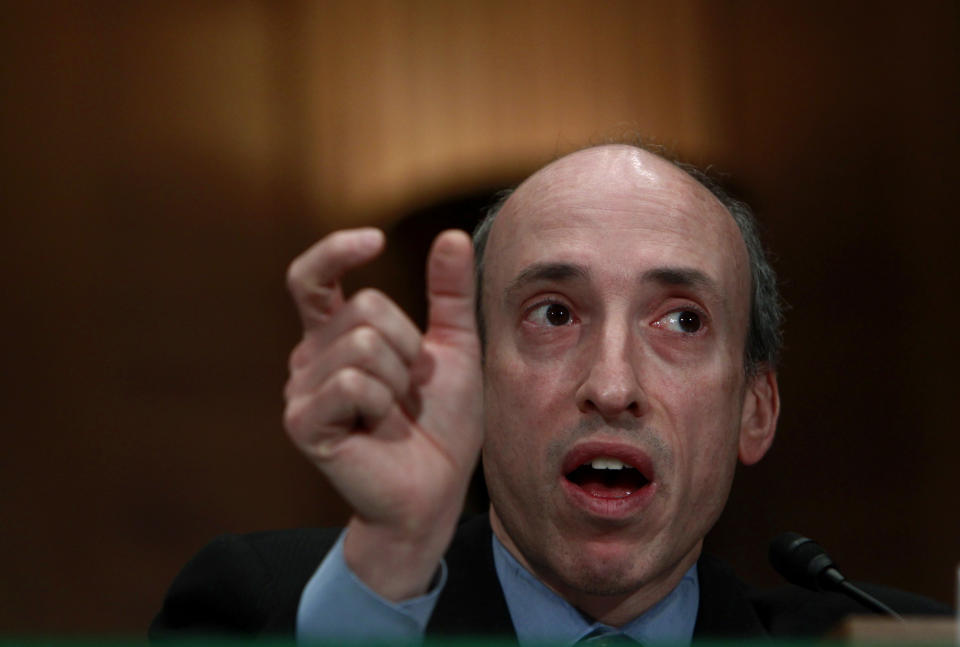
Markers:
564,272
681,277
561,272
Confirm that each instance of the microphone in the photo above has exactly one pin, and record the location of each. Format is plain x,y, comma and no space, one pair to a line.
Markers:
803,562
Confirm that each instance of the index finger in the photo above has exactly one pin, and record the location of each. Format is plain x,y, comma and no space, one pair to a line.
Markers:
313,278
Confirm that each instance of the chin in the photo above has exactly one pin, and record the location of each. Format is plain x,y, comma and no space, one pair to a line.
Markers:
602,570
605,584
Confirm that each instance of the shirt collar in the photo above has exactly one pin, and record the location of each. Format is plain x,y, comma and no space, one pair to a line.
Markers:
539,615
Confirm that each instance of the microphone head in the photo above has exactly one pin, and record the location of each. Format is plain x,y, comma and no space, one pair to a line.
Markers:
803,562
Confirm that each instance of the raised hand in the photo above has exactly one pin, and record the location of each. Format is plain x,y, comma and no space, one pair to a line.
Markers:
391,416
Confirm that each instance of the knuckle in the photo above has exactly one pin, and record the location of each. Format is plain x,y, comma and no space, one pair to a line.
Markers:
293,416
371,303
294,387
313,440
300,356
366,341
350,383
293,277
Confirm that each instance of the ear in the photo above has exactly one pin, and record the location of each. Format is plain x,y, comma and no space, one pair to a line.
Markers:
761,407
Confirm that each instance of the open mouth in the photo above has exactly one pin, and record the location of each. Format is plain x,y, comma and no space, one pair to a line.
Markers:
605,477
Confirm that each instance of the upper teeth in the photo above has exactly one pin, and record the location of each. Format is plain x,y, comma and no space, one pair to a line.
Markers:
603,463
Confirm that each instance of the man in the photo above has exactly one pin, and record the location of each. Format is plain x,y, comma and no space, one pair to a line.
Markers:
625,359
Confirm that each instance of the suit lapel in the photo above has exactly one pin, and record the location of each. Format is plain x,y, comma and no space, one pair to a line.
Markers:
472,602
724,610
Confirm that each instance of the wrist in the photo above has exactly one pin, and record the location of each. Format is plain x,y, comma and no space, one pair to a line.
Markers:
397,564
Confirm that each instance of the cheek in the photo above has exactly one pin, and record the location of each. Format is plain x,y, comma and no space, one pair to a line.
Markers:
523,392
706,430
502,434
522,412
710,389
704,412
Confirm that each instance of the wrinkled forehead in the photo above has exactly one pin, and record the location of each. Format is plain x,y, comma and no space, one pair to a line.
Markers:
611,190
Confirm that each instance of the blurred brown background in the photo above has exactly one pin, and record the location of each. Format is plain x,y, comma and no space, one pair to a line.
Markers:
163,161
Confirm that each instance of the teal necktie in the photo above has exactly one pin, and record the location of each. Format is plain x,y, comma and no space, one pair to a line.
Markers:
606,638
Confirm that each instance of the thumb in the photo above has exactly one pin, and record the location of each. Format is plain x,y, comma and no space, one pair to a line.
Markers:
450,286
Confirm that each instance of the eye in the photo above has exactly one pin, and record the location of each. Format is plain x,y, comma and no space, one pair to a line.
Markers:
551,314
682,321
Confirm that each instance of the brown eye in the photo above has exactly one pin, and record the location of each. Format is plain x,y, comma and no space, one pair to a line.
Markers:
688,321
681,321
557,315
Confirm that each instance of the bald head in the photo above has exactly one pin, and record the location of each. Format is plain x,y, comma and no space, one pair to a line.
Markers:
614,176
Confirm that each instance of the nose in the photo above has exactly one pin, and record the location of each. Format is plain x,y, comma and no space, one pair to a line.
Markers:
611,385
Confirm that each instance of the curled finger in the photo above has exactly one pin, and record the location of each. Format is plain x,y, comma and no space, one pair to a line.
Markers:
349,401
370,307
363,347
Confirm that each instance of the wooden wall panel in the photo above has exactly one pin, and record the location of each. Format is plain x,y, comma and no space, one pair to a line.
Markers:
435,96
163,161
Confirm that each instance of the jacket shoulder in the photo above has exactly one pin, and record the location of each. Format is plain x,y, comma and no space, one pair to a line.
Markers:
243,584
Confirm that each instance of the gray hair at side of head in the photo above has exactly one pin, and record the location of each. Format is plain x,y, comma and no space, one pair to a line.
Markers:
764,337
481,234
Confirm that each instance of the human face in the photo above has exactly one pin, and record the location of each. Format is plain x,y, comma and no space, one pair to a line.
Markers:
616,299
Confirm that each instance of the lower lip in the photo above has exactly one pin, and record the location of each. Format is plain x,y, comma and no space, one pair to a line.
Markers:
608,508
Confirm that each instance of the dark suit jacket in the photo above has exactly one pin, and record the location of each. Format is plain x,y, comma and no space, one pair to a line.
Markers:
251,585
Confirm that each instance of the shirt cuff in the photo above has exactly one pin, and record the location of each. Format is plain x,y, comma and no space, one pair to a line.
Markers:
336,604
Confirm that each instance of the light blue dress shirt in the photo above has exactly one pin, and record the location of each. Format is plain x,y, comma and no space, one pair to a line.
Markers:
539,615
336,604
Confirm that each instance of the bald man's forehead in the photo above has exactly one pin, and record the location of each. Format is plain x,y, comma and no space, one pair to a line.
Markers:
617,178
613,173
624,196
